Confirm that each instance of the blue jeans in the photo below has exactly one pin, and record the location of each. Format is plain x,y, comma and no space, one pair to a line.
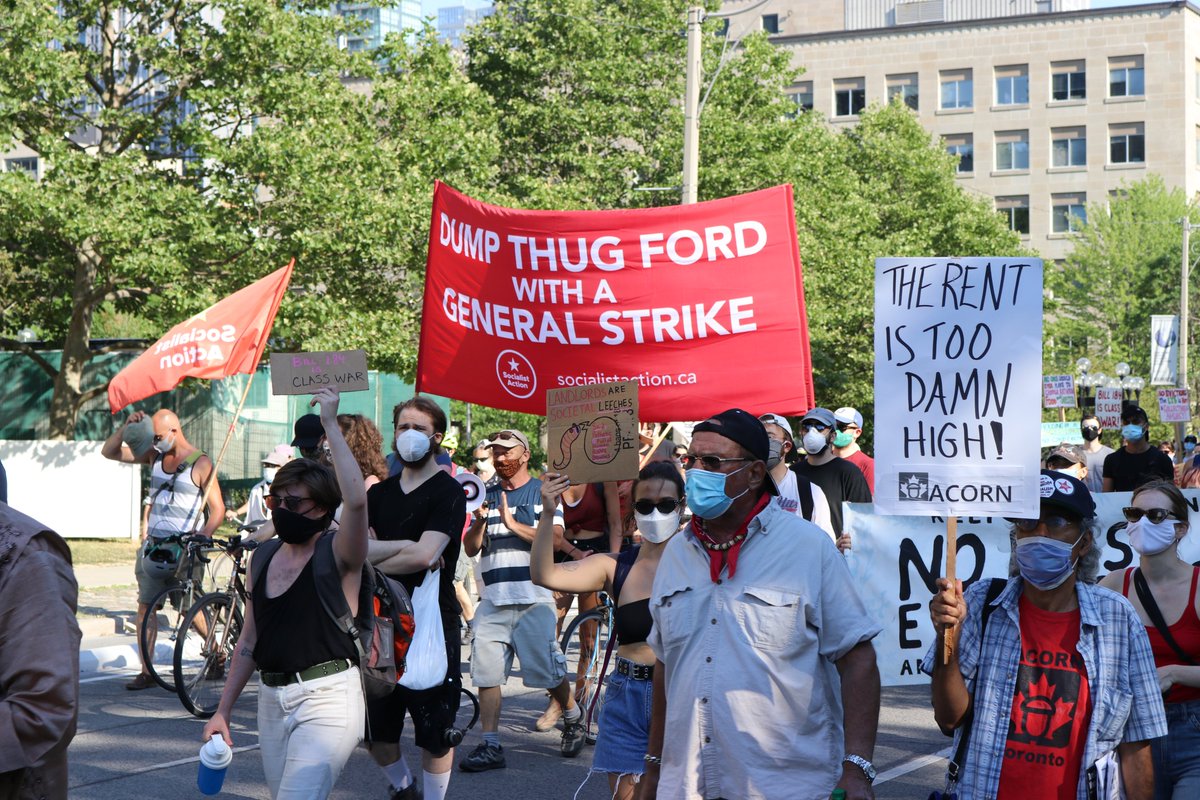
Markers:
624,726
1177,755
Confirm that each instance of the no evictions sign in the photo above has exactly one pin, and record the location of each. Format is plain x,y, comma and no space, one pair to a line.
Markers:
958,385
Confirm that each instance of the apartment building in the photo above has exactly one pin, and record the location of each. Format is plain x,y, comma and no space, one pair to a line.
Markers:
1050,106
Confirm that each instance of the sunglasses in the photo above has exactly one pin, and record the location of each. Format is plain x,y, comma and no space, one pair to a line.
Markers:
710,463
814,426
665,506
847,426
158,438
289,501
1053,522
1155,515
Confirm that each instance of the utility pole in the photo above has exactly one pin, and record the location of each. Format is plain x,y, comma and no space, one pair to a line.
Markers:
1181,379
691,106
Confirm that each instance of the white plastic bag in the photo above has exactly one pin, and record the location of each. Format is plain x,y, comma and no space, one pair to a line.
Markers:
425,666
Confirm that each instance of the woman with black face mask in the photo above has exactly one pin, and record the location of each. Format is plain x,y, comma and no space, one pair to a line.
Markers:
310,704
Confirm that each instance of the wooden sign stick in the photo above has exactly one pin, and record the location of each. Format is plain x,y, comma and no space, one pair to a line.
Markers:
951,567
658,439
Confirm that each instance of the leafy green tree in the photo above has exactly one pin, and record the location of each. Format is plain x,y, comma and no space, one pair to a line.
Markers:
189,149
1123,268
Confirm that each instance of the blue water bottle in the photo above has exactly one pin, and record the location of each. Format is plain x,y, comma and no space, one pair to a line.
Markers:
215,757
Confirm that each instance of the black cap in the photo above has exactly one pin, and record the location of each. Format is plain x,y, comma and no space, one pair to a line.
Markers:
1132,411
308,430
1061,491
743,428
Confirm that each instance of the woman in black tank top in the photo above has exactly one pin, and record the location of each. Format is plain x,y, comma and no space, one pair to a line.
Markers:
311,706
627,577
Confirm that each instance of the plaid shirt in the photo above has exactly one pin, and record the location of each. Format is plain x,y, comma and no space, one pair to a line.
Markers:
1122,681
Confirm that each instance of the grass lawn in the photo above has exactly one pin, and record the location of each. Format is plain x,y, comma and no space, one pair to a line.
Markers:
102,551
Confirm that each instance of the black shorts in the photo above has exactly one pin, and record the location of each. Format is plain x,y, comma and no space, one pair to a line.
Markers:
432,710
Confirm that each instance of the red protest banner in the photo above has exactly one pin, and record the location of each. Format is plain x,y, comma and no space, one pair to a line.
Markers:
222,340
702,305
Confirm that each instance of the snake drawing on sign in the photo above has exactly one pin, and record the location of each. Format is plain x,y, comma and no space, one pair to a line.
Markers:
564,444
601,446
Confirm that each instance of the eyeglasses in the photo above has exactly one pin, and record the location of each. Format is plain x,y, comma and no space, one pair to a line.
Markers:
847,426
710,463
289,501
1053,522
1155,515
158,438
665,506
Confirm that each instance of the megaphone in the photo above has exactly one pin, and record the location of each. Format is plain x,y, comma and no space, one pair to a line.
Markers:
473,488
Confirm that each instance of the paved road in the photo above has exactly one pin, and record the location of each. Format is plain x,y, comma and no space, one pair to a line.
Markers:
143,745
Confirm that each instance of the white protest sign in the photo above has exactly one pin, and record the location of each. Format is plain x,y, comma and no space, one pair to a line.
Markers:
1173,405
1058,391
896,560
1108,406
958,376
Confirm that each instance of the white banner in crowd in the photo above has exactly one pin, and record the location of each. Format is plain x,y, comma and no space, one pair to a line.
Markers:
1108,406
1164,349
958,374
896,560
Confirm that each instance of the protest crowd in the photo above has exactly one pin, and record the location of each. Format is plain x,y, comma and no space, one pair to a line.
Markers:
746,649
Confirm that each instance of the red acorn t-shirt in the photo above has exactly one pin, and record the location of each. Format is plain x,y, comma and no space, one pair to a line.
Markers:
1047,731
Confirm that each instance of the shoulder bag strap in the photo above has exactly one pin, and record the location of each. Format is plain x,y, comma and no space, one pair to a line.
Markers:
1155,615
329,590
624,564
995,587
804,488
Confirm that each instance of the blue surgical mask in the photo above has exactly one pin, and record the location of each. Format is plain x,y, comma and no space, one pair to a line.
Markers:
1189,447
1044,562
1132,432
706,492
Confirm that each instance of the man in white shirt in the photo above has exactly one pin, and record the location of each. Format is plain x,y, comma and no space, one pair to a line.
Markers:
798,495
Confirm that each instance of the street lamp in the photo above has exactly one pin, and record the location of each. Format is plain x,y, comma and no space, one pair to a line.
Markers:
26,335
1131,386
1084,384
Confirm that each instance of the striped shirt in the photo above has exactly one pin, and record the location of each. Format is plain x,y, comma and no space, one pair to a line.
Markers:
505,559
1122,680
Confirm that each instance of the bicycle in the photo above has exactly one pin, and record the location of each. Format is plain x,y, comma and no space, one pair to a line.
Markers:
165,613
585,643
204,651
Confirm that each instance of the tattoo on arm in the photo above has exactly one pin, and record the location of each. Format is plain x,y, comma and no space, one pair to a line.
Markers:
570,566
247,652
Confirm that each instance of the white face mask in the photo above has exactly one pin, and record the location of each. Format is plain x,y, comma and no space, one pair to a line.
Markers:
412,445
269,473
814,442
656,526
1149,538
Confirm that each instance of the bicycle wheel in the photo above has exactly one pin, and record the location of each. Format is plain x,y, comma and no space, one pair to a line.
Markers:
160,630
584,643
204,652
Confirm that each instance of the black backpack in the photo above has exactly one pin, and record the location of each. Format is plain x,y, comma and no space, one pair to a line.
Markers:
383,629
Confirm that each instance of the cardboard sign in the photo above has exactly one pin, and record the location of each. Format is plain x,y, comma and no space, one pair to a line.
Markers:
1058,391
958,368
1055,433
593,431
1174,405
308,373
1108,406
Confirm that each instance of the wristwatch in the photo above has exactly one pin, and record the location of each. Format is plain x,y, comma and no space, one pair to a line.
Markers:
866,766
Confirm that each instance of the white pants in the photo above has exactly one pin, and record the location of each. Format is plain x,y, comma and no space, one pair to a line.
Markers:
307,731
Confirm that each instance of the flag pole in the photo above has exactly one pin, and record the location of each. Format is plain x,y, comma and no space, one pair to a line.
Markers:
212,476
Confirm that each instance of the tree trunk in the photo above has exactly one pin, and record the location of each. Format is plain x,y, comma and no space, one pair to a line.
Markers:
68,397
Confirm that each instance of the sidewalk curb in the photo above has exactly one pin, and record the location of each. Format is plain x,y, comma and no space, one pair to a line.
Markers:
111,657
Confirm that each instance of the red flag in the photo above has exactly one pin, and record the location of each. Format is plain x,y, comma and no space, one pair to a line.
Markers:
222,340
702,305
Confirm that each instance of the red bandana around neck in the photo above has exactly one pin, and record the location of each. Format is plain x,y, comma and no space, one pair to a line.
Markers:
721,554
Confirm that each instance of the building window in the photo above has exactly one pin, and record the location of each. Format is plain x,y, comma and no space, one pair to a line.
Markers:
849,96
1012,85
1127,143
1068,212
770,23
1068,80
1198,145
963,146
904,87
1012,150
1016,210
29,165
1126,77
1068,147
957,89
803,95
